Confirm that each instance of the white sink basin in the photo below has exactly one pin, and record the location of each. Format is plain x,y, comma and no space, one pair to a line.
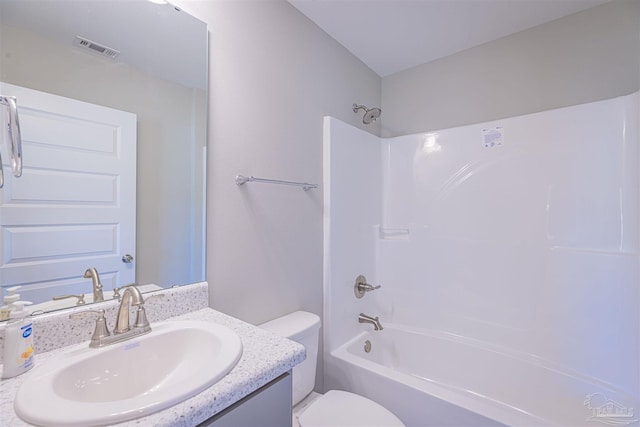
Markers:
131,379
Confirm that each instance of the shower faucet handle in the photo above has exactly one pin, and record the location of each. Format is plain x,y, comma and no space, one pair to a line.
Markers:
361,286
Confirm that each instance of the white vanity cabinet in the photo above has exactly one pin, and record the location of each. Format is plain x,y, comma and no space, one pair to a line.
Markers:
269,406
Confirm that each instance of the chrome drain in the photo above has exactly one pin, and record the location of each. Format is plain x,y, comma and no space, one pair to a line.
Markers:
367,346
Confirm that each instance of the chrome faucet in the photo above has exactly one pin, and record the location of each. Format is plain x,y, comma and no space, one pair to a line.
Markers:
131,295
123,330
363,318
92,274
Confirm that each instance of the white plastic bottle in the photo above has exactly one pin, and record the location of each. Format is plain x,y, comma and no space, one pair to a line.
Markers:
18,342
9,299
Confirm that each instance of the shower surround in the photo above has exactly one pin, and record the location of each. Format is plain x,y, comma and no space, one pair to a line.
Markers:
517,238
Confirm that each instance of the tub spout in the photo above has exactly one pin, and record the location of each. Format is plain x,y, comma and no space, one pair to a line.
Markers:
363,318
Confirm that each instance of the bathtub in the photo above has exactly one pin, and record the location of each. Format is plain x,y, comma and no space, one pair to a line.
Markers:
431,378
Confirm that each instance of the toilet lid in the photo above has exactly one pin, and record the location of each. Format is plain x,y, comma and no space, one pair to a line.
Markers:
341,408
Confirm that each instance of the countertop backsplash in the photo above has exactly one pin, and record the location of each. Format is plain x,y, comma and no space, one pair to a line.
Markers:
55,330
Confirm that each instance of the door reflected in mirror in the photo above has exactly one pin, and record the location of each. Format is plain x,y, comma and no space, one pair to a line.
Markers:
133,208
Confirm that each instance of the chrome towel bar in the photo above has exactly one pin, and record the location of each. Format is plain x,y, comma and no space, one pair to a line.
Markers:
241,180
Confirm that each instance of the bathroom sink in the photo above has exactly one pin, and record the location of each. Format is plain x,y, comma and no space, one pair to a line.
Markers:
86,386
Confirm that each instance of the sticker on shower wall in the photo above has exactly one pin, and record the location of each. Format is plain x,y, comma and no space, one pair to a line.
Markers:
492,137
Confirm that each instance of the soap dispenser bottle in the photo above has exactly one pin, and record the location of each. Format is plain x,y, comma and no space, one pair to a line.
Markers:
18,342
9,299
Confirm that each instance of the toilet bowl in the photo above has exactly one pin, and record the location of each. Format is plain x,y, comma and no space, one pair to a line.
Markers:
335,408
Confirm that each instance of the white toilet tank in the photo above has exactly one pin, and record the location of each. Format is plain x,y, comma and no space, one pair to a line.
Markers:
304,328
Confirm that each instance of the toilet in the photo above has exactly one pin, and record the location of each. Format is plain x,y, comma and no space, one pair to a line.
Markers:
335,408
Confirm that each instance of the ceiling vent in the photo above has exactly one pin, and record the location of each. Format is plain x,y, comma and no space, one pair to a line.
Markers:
96,48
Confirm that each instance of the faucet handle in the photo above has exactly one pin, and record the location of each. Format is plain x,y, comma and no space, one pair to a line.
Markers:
79,302
141,314
141,319
361,286
101,331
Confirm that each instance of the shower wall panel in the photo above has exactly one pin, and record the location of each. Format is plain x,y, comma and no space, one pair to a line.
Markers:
352,211
522,233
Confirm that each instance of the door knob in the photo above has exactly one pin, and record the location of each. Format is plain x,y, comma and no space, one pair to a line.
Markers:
127,259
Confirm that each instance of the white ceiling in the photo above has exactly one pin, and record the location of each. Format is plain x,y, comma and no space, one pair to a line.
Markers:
393,35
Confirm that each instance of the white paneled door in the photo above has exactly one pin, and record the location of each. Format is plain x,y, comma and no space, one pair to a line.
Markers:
74,206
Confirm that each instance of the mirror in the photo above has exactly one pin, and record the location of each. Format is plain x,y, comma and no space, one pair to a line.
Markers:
158,79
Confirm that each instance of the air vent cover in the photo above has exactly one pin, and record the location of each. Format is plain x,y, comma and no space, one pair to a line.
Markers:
96,48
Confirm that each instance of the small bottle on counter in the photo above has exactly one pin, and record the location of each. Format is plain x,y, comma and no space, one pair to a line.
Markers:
18,342
9,299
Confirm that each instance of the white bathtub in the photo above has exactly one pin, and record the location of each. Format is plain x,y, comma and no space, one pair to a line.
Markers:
431,378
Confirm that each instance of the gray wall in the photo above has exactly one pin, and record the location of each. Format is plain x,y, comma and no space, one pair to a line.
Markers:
273,76
588,56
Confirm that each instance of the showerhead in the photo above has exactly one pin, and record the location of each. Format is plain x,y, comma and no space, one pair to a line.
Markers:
370,114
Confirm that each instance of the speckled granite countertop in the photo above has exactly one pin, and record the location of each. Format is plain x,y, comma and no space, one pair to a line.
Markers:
265,357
